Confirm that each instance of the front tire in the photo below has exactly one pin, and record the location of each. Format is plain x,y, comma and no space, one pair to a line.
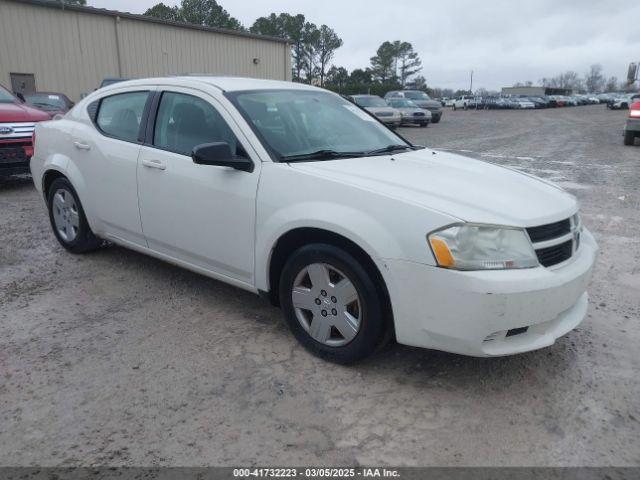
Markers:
331,304
67,218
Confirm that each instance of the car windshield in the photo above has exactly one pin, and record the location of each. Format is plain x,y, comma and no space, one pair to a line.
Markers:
316,124
370,102
6,97
417,95
45,100
401,103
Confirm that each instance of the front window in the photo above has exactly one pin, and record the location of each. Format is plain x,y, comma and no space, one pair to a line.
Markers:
184,122
46,101
295,123
417,96
6,97
370,102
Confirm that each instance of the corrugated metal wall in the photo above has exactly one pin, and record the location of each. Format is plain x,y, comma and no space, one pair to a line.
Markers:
71,52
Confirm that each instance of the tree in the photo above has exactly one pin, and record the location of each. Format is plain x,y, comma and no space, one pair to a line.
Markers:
418,83
198,12
569,80
383,63
209,13
287,26
361,77
310,39
337,78
612,84
164,12
327,44
407,61
594,79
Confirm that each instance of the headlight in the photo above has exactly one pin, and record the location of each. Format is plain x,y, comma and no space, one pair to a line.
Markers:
482,247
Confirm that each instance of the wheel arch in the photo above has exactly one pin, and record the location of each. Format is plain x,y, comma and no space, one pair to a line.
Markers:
48,178
293,239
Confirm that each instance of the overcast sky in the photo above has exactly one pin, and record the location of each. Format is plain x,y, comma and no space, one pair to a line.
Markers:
502,41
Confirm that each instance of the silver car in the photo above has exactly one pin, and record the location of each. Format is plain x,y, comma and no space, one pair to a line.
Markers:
411,113
378,107
421,99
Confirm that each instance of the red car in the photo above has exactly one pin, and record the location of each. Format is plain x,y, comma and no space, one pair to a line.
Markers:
17,122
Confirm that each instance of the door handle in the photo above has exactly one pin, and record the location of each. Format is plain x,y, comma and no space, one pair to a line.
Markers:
154,164
82,146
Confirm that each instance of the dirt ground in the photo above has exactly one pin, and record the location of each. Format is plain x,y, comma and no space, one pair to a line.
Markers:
116,358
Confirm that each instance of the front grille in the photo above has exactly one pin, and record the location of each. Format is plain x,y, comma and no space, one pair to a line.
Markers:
384,114
556,254
12,155
550,231
419,114
556,242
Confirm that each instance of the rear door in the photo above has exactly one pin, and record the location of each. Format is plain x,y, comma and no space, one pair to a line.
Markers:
106,151
199,214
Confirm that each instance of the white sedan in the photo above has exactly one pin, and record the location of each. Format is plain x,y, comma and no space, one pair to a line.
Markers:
292,192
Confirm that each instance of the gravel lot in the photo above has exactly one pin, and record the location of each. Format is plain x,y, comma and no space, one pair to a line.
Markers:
116,358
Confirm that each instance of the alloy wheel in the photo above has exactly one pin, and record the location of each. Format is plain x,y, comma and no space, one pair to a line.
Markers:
327,304
65,215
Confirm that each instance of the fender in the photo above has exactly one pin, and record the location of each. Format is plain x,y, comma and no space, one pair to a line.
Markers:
364,230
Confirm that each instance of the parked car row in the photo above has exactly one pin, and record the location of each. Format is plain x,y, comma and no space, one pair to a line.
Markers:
401,107
622,101
615,101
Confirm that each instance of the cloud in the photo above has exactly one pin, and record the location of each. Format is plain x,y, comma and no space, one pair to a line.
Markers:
502,41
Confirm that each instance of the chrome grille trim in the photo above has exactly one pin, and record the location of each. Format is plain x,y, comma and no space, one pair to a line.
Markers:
20,130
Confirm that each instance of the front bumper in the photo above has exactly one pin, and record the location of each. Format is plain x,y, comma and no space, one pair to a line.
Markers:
14,158
484,313
390,121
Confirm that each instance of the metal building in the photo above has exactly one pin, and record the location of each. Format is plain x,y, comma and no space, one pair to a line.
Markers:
49,46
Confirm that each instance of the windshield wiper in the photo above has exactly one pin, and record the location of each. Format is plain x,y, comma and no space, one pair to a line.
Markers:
391,148
321,155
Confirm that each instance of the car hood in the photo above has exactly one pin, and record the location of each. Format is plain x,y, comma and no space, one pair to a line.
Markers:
13,112
464,188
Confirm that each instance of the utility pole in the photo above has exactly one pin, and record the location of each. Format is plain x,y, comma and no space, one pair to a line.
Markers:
471,86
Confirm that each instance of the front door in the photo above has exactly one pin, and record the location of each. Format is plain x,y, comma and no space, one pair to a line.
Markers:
199,214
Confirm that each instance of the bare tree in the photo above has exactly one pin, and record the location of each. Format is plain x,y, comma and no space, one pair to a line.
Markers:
594,79
612,84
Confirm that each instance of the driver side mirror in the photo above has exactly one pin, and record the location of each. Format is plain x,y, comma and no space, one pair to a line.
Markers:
219,154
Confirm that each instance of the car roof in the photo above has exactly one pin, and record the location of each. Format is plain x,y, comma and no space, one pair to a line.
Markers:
226,84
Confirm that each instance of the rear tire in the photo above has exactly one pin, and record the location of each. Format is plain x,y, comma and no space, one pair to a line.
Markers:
338,314
68,220
629,138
